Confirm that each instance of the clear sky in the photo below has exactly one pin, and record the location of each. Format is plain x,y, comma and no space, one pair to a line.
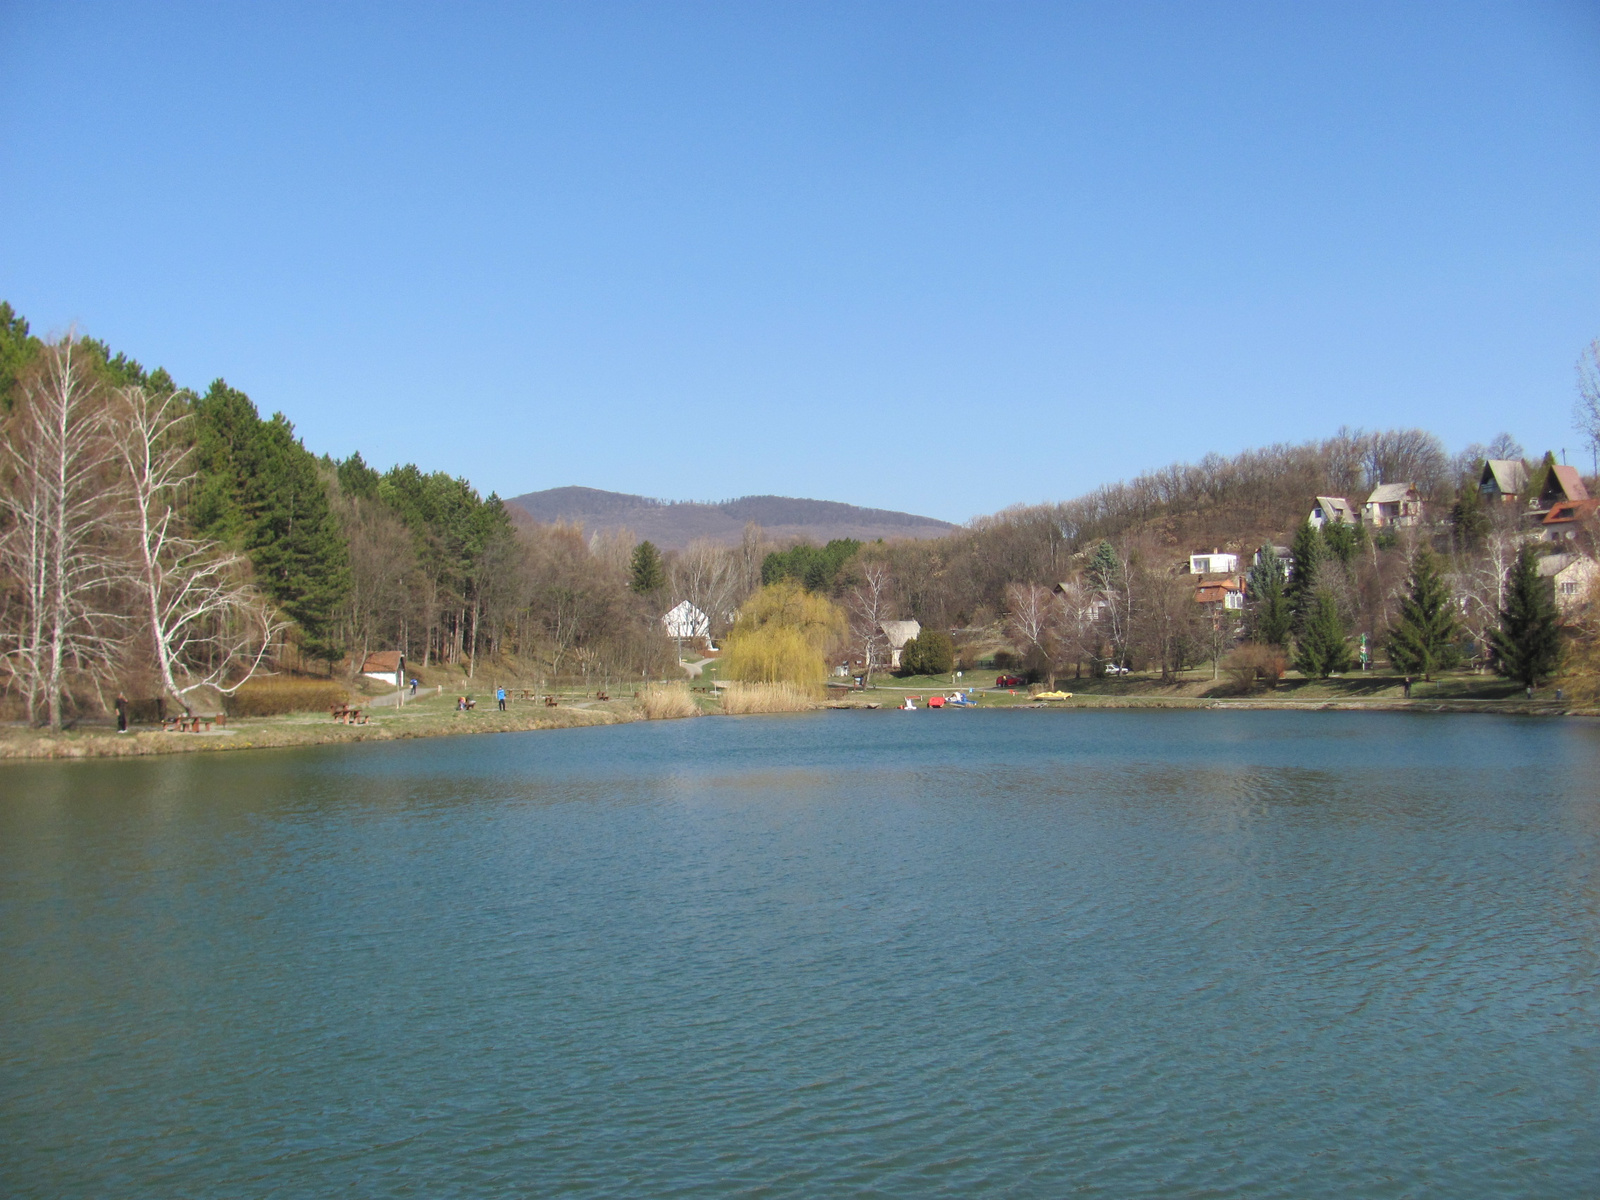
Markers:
935,257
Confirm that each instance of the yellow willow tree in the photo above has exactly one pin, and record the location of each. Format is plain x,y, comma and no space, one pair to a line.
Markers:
783,635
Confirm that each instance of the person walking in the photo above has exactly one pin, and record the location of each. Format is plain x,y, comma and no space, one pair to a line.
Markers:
500,698
122,713
413,688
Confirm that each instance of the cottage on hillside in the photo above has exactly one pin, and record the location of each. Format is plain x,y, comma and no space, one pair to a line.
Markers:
686,622
384,666
1283,554
1215,563
1332,510
1221,594
1396,504
1573,576
1503,479
897,634
1560,483
1566,518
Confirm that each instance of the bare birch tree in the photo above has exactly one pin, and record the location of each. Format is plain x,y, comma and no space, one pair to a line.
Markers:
206,626
868,606
1033,623
1586,415
61,498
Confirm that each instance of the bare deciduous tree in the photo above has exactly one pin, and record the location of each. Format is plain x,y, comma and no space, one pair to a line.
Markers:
1032,622
1586,415
207,627
61,497
869,606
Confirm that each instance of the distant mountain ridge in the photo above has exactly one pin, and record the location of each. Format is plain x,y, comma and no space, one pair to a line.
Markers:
673,524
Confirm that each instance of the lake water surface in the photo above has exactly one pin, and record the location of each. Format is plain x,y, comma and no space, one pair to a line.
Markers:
849,954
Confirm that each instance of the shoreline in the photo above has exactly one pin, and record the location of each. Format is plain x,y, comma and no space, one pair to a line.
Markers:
33,745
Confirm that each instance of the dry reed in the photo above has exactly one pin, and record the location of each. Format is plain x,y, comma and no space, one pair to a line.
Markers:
666,701
274,697
767,698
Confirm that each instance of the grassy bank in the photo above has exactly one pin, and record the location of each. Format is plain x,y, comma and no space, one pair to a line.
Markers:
428,717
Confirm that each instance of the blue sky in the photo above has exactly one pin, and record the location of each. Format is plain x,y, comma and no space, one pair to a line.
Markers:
935,257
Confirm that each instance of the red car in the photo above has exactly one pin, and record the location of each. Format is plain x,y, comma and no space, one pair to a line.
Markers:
1008,681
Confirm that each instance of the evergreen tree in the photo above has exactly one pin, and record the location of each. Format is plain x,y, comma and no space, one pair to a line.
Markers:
931,652
1270,619
1322,649
1104,569
1527,646
260,490
649,576
17,348
356,478
1342,540
1468,514
1309,552
1425,638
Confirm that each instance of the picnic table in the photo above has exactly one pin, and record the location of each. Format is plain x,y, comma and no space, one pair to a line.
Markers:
191,723
347,714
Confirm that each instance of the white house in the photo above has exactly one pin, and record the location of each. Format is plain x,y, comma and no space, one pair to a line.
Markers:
1397,504
897,634
384,666
1573,576
1331,510
1215,563
686,621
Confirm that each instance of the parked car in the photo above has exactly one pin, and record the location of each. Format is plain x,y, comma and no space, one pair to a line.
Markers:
1008,681
1115,669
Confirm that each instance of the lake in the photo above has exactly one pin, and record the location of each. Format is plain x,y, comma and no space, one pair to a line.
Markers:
1207,954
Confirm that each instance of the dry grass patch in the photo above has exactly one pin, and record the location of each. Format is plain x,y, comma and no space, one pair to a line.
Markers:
275,697
665,702
767,698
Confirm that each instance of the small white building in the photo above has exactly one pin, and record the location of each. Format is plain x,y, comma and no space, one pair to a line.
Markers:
1573,576
687,622
897,634
384,666
1331,510
1215,563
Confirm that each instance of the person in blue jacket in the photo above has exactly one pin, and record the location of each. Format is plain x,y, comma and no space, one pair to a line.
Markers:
500,698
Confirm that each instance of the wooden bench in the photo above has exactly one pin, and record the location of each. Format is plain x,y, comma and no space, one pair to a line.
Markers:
347,714
549,701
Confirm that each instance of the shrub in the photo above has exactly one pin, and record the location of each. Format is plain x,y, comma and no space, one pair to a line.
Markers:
766,698
666,701
1253,662
276,696
931,652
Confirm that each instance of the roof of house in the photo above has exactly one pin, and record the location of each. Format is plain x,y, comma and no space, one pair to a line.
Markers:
1215,589
1392,493
900,632
1509,475
381,662
1335,504
1563,511
1555,564
1570,482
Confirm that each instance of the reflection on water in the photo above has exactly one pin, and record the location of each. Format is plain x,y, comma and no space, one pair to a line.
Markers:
1120,954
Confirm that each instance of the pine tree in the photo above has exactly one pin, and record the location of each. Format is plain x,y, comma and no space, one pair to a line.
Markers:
1322,649
648,574
1527,646
1468,514
1424,640
1309,552
259,490
1270,619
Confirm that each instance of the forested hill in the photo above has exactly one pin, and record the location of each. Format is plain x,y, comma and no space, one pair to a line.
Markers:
672,526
